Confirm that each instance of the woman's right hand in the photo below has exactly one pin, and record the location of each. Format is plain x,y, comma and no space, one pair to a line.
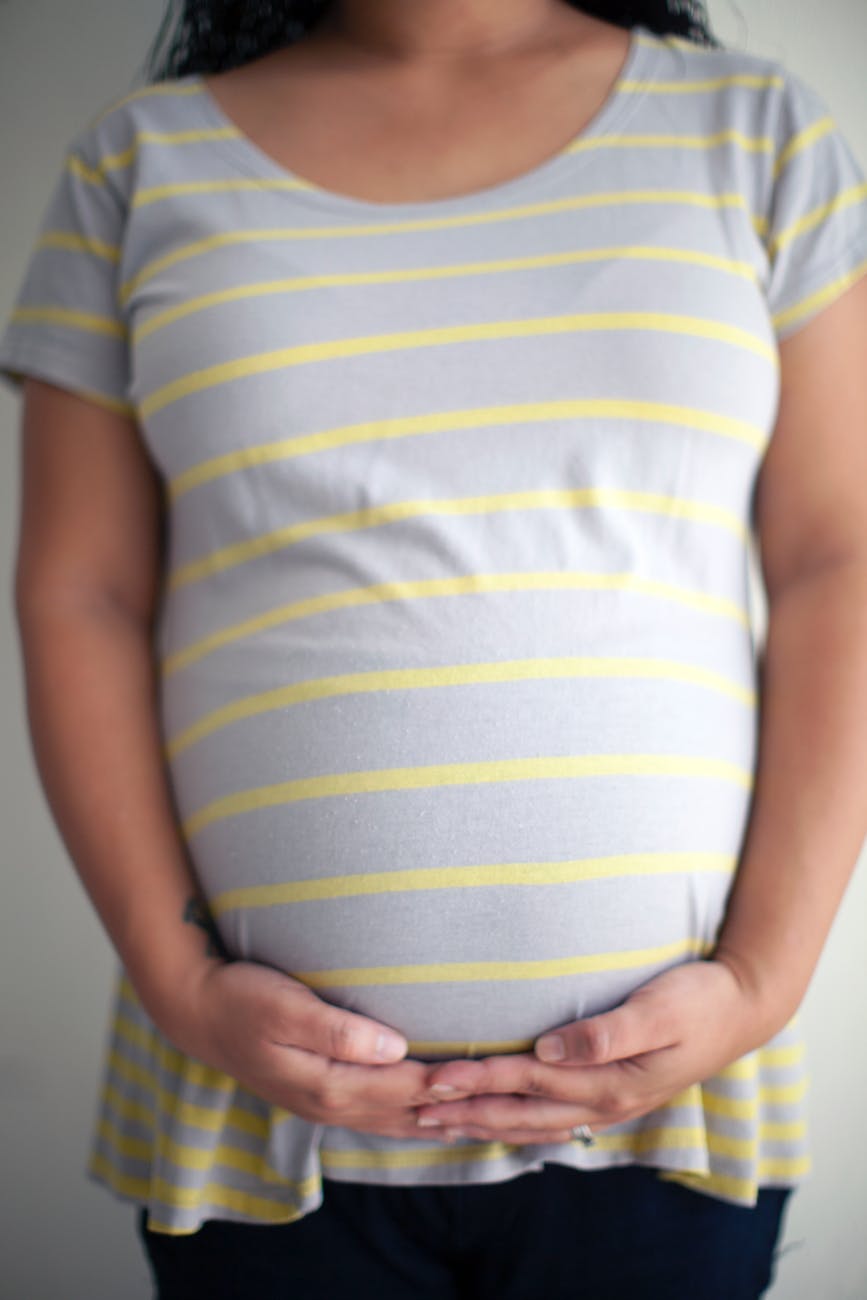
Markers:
288,1046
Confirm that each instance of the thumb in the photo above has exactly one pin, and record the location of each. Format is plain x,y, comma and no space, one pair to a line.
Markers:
628,1030
308,1021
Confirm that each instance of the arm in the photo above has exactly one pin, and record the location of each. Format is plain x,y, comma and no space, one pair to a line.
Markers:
87,582
810,803
809,814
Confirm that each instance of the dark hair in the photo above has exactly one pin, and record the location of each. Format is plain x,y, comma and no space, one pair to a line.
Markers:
204,36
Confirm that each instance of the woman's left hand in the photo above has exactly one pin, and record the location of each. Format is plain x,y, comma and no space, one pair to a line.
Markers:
678,1029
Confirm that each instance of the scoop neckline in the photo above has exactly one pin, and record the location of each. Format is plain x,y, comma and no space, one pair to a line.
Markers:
618,104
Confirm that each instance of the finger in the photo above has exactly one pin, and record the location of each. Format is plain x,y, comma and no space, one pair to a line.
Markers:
309,1022
515,1073
505,1113
512,1137
523,1073
640,1025
377,1086
347,1086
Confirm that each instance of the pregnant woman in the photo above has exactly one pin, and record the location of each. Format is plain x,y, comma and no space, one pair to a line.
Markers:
405,385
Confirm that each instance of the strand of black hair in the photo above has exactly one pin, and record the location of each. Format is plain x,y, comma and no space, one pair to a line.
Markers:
208,36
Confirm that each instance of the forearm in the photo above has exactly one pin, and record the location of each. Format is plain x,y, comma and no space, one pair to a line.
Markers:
90,680
809,813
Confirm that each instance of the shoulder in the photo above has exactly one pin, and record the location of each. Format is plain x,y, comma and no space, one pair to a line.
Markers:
731,80
105,150
688,60
768,106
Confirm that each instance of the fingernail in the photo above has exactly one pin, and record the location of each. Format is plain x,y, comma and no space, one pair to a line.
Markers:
551,1049
443,1089
428,1121
389,1047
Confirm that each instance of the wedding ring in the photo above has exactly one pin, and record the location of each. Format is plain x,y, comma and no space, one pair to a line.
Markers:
584,1134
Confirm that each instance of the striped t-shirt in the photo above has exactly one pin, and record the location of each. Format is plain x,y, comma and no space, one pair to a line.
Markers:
458,673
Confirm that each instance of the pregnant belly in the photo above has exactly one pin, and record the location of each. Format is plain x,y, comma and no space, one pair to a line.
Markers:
470,865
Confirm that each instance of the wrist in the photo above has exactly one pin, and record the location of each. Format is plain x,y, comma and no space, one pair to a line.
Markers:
173,1004
772,1000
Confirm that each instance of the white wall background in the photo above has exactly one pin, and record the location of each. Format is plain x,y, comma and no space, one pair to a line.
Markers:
60,63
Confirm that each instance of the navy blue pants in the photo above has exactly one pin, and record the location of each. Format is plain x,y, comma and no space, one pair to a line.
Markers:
558,1234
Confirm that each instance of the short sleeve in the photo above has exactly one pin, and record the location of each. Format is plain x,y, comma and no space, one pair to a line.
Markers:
816,233
66,325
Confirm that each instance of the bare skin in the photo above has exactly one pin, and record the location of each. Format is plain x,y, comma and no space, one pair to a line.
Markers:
399,102
413,123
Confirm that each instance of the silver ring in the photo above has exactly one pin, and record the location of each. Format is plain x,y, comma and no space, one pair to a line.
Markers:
584,1134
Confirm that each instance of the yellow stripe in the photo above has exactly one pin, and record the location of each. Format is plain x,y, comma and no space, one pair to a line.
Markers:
747,1069
752,144
683,43
228,557
128,1148
822,296
332,1158
509,670
188,137
411,274
473,971
802,141
717,1144
794,1131
427,776
784,1167
471,419
486,875
132,1185
741,1189
135,1112
156,193
784,1094
758,81
714,1103
844,199
418,1157
192,1198
474,583
332,349
451,1048
149,92
78,244
73,319
78,168
116,161
615,198
778,1058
